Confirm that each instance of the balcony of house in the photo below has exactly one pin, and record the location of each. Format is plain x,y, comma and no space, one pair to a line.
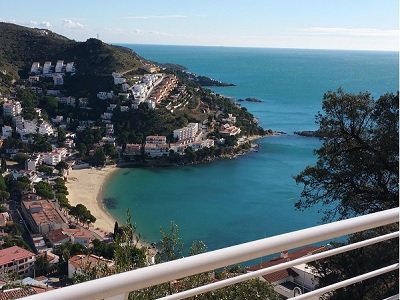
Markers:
118,287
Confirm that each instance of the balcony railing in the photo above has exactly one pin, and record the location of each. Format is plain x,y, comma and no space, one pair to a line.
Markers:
117,287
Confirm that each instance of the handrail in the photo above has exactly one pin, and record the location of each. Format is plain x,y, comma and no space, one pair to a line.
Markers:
285,265
347,282
118,286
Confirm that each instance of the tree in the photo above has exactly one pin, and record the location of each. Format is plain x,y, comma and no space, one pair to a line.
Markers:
357,173
44,189
81,147
171,244
99,157
62,165
4,195
42,265
3,164
116,229
45,169
21,158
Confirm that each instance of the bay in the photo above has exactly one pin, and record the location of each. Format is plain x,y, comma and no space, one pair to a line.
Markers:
234,201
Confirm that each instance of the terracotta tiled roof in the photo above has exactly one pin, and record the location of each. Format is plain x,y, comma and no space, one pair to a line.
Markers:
279,275
14,253
57,235
16,293
78,261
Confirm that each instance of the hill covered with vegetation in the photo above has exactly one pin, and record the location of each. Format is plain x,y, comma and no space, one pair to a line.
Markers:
21,46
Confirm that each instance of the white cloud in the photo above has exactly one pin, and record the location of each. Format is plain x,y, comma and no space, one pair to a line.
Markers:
157,17
45,24
36,24
68,23
360,32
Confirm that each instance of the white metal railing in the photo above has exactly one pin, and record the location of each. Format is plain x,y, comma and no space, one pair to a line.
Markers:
117,287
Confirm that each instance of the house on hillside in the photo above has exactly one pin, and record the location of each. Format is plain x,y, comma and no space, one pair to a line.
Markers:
80,262
16,260
293,281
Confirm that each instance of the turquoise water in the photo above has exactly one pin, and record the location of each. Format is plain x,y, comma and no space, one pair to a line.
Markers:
233,201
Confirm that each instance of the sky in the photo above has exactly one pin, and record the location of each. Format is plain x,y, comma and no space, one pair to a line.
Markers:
307,24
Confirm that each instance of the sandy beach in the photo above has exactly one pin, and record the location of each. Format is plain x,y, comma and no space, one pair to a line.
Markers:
85,187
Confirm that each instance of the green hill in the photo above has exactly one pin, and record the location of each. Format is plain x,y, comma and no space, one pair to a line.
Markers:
21,46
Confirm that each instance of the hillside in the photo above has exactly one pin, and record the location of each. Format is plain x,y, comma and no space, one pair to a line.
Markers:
20,46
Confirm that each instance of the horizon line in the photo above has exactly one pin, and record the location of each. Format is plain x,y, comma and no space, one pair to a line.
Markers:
253,47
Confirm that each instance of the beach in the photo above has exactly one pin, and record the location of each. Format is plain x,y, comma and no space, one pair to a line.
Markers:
85,187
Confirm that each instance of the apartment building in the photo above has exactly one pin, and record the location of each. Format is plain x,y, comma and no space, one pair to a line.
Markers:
11,108
187,133
42,216
16,260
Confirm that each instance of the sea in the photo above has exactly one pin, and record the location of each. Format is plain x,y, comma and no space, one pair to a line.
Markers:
232,201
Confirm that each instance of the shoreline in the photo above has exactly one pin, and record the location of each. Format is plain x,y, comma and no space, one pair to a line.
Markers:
86,186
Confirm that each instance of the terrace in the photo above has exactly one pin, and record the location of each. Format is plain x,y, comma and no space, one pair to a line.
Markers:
117,287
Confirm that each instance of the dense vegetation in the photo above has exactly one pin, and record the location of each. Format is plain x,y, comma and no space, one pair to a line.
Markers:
357,173
21,46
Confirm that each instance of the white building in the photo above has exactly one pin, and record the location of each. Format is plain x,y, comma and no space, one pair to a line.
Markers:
106,116
51,158
58,79
35,69
46,128
291,281
32,163
30,126
70,68
59,66
109,129
16,260
66,100
119,80
6,132
105,95
156,139
187,133
11,108
156,145
156,150
124,108
33,79
81,237
57,119
47,67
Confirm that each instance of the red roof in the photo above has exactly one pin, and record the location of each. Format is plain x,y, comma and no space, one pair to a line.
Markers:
14,253
56,236
279,275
